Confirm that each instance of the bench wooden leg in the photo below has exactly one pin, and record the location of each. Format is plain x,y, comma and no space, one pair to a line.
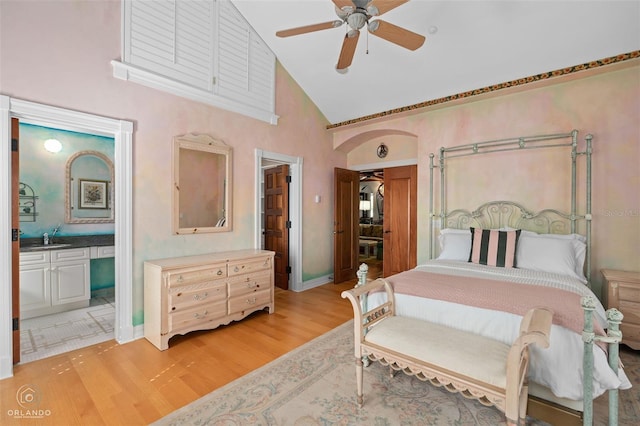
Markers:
522,408
359,381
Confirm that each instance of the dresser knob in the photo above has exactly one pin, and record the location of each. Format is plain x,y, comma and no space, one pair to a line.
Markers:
180,279
236,269
251,301
219,271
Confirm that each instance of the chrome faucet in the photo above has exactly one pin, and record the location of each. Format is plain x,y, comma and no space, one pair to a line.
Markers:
53,234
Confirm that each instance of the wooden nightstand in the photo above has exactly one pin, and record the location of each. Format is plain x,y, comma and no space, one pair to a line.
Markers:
622,292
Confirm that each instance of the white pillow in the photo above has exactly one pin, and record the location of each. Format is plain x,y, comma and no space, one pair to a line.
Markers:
560,254
455,244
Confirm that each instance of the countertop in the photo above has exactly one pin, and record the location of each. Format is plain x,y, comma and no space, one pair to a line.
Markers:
62,242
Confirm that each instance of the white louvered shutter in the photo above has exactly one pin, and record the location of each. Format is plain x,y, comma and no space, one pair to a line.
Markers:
245,66
173,38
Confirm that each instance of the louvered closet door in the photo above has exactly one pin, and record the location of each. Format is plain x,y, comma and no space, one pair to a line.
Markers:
245,67
173,38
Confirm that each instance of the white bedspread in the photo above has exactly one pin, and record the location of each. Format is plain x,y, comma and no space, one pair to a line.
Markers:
559,367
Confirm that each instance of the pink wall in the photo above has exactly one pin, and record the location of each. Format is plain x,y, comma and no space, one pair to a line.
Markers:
59,52
606,105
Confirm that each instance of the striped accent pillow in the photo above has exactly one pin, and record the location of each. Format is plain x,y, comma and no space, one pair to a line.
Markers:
493,247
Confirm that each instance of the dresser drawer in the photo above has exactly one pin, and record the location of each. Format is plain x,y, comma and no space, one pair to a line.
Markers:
249,283
248,301
193,316
192,276
184,297
249,265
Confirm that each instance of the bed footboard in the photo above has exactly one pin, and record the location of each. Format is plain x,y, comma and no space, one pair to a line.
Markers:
612,339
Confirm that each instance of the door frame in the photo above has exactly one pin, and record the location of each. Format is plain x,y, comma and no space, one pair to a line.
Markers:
122,133
384,165
295,210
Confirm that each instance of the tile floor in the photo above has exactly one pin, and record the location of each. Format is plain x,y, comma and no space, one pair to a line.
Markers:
49,335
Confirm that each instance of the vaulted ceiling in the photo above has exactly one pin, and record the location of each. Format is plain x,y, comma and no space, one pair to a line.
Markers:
469,45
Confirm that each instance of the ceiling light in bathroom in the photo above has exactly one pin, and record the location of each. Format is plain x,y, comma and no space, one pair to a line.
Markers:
52,145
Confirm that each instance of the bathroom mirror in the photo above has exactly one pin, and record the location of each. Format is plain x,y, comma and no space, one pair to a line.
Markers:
202,185
89,188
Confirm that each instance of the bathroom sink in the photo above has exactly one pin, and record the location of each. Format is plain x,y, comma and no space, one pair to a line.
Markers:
43,247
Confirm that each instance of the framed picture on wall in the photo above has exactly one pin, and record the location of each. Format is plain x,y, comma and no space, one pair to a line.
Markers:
93,194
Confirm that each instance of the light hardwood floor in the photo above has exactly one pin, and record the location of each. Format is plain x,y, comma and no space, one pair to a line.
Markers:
135,383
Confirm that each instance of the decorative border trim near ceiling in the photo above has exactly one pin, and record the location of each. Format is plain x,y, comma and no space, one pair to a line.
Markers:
519,82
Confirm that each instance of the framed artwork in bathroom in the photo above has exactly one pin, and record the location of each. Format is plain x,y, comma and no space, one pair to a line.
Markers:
93,194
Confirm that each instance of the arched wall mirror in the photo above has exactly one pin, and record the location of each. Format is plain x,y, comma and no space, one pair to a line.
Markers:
202,185
89,188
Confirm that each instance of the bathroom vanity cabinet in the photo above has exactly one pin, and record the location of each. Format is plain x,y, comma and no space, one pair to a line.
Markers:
53,281
202,292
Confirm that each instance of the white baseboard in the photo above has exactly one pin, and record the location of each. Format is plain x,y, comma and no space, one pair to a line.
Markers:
316,282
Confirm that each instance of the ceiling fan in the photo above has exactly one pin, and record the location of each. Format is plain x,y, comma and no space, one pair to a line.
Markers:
357,13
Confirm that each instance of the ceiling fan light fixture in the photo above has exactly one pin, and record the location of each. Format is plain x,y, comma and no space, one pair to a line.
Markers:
373,26
372,10
356,20
342,70
352,33
344,12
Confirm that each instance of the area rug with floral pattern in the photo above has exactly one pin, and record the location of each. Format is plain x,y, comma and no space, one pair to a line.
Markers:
315,385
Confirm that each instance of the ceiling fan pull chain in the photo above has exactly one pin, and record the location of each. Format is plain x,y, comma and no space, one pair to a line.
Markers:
367,51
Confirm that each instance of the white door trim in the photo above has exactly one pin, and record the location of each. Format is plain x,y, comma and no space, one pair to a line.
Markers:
122,132
295,211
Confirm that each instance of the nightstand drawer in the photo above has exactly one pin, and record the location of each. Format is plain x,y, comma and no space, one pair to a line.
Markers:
627,292
630,335
631,312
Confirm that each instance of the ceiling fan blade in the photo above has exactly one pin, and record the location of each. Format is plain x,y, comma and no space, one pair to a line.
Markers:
384,6
395,34
342,3
348,49
309,28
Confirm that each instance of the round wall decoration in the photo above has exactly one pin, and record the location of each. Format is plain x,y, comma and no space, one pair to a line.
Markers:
383,150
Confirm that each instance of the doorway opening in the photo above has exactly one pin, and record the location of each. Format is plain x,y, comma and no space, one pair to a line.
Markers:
122,133
266,160
66,298
371,206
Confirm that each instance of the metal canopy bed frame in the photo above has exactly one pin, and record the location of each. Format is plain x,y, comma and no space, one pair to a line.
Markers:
501,214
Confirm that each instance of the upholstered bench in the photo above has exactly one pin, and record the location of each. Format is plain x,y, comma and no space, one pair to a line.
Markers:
478,367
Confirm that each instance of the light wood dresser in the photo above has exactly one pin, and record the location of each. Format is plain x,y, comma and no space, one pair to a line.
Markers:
623,293
184,294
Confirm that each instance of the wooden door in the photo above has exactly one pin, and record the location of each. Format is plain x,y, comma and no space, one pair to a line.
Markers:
15,245
345,224
400,219
276,221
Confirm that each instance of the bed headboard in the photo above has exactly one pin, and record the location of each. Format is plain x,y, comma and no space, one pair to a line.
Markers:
509,214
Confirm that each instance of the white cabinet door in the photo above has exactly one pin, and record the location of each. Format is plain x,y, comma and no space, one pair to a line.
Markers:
34,288
70,282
